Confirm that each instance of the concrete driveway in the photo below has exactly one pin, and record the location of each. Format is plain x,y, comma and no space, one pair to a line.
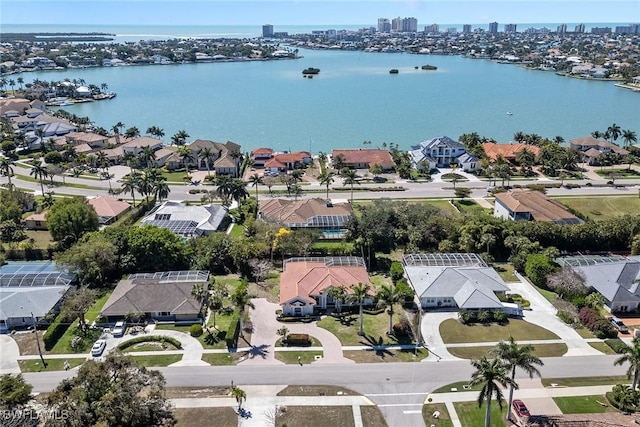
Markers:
9,353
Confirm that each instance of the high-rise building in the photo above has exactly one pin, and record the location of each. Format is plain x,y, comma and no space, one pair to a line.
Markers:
601,30
396,24
384,26
409,25
579,28
493,27
433,28
562,28
466,29
267,30
510,28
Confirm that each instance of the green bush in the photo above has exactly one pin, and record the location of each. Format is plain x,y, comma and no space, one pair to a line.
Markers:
616,344
195,330
54,332
396,271
566,317
150,338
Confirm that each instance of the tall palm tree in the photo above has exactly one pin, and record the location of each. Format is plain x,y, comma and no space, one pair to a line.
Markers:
161,189
614,131
40,172
20,80
629,136
199,292
206,154
326,179
6,167
240,396
241,299
517,356
186,155
179,138
128,158
337,293
155,131
132,132
350,176
597,134
388,296
255,180
360,293
631,354
491,374
129,184
238,192
147,156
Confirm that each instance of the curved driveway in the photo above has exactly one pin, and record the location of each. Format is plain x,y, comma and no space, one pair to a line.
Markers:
9,354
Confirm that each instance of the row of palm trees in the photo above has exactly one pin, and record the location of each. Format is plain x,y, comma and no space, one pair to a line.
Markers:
148,182
614,132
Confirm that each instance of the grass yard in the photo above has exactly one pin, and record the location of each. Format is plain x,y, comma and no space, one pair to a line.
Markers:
620,173
602,347
188,417
372,417
471,415
35,365
444,420
236,231
585,333
41,238
585,381
458,385
443,205
375,328
452,331
603,207
541,350
221,359
391,356
550,296
157,360
505,271
316,390
150,346
468,206
291,357
331,416
583,404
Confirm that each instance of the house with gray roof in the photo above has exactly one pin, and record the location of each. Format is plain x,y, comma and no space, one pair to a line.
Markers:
616,278
187,221
463,281
441,152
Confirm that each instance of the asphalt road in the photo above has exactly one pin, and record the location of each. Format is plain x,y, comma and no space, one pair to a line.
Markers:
399,389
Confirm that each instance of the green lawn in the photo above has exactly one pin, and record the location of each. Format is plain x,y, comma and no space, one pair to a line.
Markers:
157,360
291,357
444,420
443,205
621,173
602,347
35,365
471,415
459,385
541,350
41,238
585,381
375,328
452,331
236,231
388,356
505,270
150,346
603,207
468,206
225,324
550,296
583,404
219,359
331,416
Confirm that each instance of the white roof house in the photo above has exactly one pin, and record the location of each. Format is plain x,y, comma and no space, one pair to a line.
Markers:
447,280
441,152
187,221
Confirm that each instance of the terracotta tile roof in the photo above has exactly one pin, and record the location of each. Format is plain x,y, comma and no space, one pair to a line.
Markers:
292,157
108,206
368,156
303,279
295,212
143,141
86,137
598,144
508,151
541,207
274,163
262,151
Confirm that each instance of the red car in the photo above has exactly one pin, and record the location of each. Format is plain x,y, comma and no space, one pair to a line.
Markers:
520,408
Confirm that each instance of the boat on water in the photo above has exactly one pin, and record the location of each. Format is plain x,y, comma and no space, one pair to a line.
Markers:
393,71
509,113
310,71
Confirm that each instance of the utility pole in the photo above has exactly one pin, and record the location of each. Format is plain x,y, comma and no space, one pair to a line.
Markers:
35,331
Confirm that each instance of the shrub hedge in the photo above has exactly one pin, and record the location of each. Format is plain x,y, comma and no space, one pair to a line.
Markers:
54,332
298,340
148,338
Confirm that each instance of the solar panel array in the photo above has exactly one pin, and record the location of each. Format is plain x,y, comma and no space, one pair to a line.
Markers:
443,260
183,228
194,276
584,260
28,274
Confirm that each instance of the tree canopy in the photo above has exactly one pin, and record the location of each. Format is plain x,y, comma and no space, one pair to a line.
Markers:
70,218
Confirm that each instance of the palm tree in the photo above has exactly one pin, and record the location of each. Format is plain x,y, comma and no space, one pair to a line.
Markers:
147,155
240,396
255,180
199,292
128,158
132,132
155,131
20,80
614,131
179,138
629,136
238,192
6,167
129,184
186,155
39,172
241,299
519,136
326,179
360,293
491,374
517,356
161,189
388,296
206,154
350,176
597,134
337,293
631,354
12,83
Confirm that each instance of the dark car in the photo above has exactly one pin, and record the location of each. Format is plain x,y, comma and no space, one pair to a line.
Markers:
520,408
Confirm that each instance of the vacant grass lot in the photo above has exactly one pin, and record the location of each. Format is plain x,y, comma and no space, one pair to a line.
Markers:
583,404
188,417
52,364
541,350
444,420
375,328
602,207
331,416
471,415
452,331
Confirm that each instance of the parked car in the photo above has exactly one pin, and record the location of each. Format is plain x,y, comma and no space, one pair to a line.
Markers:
98,348
118,329
520,408
618,324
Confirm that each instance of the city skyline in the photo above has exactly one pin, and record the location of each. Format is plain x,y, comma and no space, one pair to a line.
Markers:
311,12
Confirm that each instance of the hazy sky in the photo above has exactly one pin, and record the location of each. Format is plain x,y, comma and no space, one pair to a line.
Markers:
303,12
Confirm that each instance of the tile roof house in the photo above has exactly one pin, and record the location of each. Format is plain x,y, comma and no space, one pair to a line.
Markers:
308,213
616,278
441,152
508,152
36,221
260,155
288,161
136,145
454,280
305,282
531,205
187,221
155,296
592,148
225,157
92,139
364,158
109,209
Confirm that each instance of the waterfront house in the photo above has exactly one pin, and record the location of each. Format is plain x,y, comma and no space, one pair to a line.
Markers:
305,283
316,214
363,158
161,296
509,152
529,205
288,161
187,221
93,140
460,280
441,152
137,145
224,160
591,148
260,155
